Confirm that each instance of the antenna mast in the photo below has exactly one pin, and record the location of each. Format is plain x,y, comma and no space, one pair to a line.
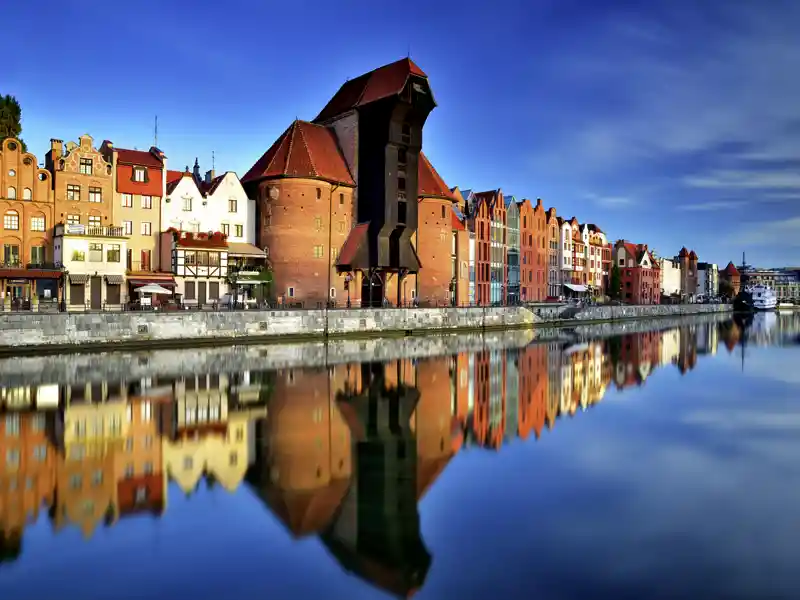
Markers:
213,162
155,134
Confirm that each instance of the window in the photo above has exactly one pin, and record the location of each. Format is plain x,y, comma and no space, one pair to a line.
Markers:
187,462
147,411
12,193
319,193
95,195
113,253
97,477
188,292
401,183
232,205
127,200
147,202
213,290
127,227
12,424
40,453
95,252
233,459
75,482
189,257
37,224
11,220
86,166
333,292
37,255
226,229
27,194
12,457
73,193
239,231
341,199
443,212
290,292
148,468
139,174
318,251
187,203
341,226
73,219
94,221
318,223
147,228
79,256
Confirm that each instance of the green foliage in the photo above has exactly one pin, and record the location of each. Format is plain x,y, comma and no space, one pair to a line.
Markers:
11,119
615,282
725,288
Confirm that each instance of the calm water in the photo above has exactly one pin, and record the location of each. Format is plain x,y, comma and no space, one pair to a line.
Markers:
655,465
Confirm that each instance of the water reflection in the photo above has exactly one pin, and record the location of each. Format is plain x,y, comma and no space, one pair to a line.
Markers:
344,453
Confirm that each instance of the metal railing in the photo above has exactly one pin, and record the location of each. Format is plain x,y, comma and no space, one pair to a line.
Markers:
17,264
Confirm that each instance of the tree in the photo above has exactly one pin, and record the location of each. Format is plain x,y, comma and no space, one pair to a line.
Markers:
725,288
11,119
615,282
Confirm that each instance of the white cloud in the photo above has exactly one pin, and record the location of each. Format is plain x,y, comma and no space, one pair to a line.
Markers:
775,180
768,233
610,201
713,205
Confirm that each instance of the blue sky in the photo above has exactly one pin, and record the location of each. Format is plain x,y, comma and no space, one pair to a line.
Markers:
668,122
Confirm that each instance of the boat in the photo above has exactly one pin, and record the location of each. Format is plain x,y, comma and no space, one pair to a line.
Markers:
755,298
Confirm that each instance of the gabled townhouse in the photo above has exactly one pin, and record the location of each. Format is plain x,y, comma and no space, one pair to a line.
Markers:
139,188
490,227
534,253
554,278
670,278
640,273
597,248
513,249
27,272
199,264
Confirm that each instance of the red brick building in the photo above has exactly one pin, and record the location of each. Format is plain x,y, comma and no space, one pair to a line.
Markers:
731,275
640,273
487,219
533,249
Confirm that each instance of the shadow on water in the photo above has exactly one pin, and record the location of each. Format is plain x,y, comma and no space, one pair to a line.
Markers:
343,453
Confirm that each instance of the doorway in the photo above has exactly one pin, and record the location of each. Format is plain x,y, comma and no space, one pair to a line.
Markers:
201,293
96,293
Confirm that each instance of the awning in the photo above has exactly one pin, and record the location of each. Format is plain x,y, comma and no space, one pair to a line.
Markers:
244,249
30,274
115,279
354,251
79,279
165,281
576,287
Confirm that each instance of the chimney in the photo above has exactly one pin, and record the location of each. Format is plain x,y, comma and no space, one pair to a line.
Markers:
57,148
210,176
538,203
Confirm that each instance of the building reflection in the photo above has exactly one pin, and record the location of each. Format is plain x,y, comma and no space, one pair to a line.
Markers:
345,453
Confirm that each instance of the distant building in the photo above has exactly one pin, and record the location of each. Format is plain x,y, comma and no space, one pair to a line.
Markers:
670,277
640,273
687,261
513,249
731,276
707,279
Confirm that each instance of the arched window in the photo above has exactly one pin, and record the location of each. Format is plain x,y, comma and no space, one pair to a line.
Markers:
11,220
12,193
27,194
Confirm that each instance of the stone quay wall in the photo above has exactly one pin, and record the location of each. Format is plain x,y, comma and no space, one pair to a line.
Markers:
131,365
74,331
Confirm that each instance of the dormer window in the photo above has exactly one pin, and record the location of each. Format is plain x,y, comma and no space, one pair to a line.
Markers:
139,174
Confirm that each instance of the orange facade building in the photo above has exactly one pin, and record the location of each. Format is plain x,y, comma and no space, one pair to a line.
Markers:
533,248
83,183
26,205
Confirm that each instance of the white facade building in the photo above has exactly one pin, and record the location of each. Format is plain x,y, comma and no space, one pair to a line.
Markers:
670,277
209,205
93,258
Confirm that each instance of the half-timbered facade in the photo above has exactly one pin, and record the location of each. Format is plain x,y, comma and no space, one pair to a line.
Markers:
199,263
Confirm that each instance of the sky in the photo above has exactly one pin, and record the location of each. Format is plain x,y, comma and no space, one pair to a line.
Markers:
667,122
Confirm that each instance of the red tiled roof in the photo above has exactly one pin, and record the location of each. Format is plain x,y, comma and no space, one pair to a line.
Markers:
385,81
141,158
430,184
731,270
174,178
174,175
304,150
352,244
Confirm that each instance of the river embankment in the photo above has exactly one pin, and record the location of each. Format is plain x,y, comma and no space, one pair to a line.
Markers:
37,333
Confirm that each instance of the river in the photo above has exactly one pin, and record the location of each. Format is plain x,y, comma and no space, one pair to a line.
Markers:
656,464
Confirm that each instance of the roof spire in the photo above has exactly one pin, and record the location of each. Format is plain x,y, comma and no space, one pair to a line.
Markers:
196,170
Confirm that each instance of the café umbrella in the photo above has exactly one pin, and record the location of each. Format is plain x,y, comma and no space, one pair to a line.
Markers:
153,288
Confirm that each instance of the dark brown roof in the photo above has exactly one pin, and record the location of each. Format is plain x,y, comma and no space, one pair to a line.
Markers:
692,255
430,184
683,252
385,81
351,245
140,158
304,150
209,188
